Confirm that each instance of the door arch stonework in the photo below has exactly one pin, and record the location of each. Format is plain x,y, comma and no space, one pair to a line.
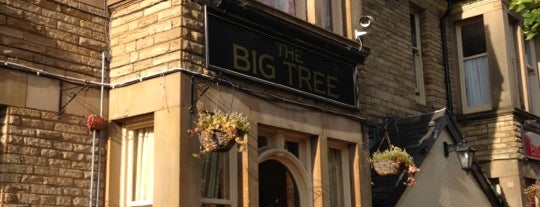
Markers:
298,172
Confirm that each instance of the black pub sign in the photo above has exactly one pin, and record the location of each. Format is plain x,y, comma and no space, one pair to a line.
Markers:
269,55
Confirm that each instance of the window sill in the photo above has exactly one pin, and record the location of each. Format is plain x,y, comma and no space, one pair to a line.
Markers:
485,114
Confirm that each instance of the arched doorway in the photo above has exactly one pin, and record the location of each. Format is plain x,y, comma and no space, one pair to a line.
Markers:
277,187
283,182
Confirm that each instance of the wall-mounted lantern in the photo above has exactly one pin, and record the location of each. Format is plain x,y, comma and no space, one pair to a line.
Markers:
464,152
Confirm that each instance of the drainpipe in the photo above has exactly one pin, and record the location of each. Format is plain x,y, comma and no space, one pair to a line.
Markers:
442,23
95,191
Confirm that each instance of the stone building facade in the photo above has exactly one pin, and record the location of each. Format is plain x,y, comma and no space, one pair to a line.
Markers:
45,151
157,76
496,129
388,79
45,159
165,40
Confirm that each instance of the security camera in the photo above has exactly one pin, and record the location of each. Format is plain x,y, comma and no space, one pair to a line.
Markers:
366,21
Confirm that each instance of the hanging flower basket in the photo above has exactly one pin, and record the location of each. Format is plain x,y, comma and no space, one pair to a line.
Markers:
218,131
391,160
215,141
530,193
386,167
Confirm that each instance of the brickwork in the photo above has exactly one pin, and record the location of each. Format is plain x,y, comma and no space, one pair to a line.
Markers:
145,38
65,37
432,59
387,84
497,138
45,160
386,78
192,36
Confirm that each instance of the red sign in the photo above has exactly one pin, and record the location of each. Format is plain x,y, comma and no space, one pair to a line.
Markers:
532,144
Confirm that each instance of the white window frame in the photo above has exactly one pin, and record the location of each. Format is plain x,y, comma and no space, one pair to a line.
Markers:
345,170
127,171
418,65
232,184
336,15
465,107
532,75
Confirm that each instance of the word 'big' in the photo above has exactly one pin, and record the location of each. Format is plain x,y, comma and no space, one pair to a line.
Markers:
287,66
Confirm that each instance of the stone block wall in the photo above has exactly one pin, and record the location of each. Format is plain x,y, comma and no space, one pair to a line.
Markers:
153,36
495,138
387,86
45,160
193,36
145,38
65,37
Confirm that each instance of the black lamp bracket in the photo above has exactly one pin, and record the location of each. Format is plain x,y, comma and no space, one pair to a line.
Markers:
448,148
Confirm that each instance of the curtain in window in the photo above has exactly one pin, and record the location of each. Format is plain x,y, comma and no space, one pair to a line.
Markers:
287,6
327,14
215,175
335,177
144,165
477,81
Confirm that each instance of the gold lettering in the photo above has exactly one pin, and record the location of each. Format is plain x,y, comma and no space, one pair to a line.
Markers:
318,81
290,67
240,58
280,50
289,52
298,56
254,61
331,85
304,75
270,72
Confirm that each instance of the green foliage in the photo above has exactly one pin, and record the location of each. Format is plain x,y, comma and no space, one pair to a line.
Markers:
228,123
218,131
398,156
530,10
393,153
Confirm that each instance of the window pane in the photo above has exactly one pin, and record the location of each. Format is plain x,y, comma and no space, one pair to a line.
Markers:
416,61
292,147
262,141
416,44
528,52
477,82
143,166
215,175
327,14
335,177
412,19
287,6
473,39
